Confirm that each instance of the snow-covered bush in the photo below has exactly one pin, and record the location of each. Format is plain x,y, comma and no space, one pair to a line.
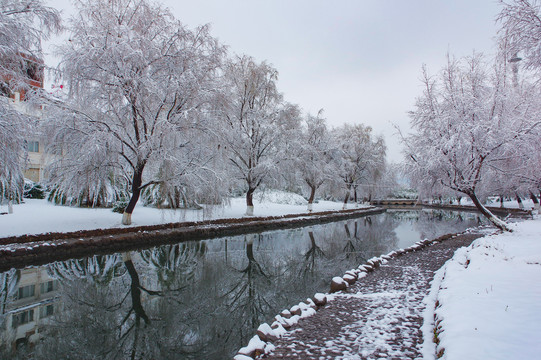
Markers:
119,206
33,190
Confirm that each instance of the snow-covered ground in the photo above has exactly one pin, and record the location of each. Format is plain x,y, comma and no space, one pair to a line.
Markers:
41,216
489,298
495,202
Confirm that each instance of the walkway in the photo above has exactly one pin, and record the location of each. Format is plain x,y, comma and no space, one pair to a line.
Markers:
379,317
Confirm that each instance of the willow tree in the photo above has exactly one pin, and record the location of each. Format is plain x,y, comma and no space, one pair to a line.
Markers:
23,25
254,123
137,80
359,155
313,156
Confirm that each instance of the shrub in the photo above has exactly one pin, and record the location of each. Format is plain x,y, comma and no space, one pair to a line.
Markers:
33,190
119,206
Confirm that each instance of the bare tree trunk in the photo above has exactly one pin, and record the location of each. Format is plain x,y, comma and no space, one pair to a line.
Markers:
501,201
346,201
519,201
490,216
311,198
348,234
135,291
250,202
137,181
535,200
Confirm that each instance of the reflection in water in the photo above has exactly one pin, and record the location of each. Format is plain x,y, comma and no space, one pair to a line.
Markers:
191,300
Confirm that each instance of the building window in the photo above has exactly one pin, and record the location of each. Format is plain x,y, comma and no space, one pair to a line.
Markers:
46,311
32,146
23,318
47,287
26,291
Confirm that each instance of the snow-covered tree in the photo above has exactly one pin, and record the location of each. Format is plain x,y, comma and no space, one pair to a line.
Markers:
23,24
254,123
520,22
465,118
520,32
360,157
313,161
138,80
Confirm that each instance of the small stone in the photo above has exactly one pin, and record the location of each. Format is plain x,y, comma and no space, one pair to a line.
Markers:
338,284
278,329
311,303
320,299
254,348
265,333
286,314
295,310
350,279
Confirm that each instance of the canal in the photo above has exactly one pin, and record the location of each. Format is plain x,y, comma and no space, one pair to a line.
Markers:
192,300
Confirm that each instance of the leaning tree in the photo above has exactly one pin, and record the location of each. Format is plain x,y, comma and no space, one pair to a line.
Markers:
137,81
463,121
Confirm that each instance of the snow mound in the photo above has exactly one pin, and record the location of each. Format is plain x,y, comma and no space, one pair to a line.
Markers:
279,197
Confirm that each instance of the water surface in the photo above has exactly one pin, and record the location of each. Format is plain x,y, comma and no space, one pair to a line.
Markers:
193,300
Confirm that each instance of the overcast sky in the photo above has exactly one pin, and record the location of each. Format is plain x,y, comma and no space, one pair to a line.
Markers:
359,60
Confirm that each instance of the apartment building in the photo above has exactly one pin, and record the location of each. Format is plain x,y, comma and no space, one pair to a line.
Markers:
33,75
28,307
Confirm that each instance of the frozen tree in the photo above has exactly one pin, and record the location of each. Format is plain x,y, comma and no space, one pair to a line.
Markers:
520,31
254,123
360,157
23,24
138,80
313,161
464,119
521,27
13,126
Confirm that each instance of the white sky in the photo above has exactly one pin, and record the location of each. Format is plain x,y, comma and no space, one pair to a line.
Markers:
359,60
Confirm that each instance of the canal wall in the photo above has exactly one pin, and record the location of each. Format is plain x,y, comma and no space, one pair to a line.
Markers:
22,251
495,210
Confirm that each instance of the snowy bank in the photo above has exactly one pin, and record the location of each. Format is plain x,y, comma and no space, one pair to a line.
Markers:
40,216
489,298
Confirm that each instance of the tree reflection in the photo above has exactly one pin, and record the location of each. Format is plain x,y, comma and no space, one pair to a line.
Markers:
247,298
98,269
175,265
8,285
434,223
312,255
120,316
